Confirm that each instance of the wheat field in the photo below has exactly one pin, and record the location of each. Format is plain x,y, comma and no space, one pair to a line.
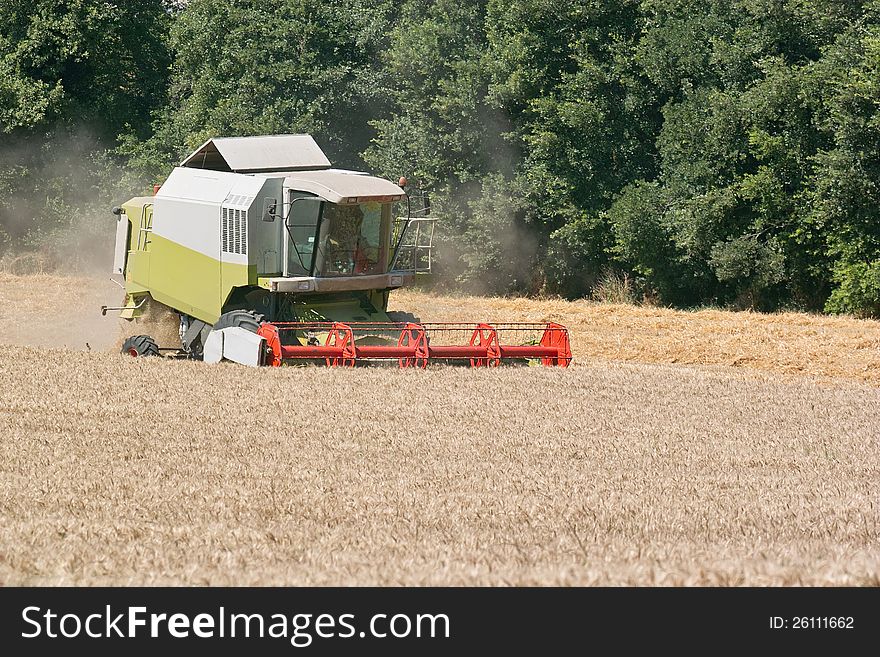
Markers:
123,471
818,346
57,311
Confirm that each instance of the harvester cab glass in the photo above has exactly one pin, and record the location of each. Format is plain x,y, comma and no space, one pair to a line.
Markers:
302,225
351,243
329,239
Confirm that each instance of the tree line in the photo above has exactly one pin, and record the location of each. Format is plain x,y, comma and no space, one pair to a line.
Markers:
721,152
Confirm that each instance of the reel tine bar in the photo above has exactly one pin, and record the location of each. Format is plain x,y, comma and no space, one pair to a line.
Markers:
415,345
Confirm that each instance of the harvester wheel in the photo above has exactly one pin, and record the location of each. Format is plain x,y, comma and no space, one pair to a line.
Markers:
245,319
140,345
403,318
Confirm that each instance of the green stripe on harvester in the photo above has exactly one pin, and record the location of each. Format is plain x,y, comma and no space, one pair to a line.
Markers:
187,281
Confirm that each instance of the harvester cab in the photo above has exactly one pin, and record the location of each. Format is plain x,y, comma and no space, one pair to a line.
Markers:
268,255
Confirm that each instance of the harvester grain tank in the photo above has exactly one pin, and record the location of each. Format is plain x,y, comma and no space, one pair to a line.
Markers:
270,256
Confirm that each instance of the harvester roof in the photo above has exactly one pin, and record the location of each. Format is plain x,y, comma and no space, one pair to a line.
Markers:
259,154
342,186
297,158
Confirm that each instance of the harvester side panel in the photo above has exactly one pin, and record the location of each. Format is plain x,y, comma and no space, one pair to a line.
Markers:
187,280
265,231
249,235
139,212
208,237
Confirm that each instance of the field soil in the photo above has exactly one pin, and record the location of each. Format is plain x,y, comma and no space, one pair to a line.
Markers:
703,448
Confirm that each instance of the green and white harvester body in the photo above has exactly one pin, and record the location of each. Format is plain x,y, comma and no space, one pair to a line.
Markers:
268,255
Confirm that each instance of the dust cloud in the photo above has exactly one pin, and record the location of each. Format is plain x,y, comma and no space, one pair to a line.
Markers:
56,240
484,243
56,196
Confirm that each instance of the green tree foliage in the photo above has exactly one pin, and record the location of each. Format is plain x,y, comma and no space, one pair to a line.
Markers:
533,92
712,151
250,67
73,75
584,120
86,63
845,193
442,133
747,152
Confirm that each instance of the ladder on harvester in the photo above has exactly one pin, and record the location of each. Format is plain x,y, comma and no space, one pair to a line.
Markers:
413,236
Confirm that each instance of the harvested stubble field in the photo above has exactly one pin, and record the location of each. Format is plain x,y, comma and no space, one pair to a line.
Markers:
120,471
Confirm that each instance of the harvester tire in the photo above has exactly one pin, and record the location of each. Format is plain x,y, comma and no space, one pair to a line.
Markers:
139,346
403,318
245,319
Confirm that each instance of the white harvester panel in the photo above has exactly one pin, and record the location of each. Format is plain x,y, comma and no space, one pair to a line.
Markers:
236,344
216,213
121,251
242,229
187,209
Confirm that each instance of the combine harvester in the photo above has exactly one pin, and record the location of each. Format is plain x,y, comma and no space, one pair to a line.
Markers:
269,257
